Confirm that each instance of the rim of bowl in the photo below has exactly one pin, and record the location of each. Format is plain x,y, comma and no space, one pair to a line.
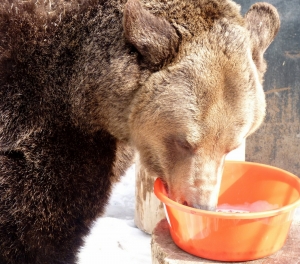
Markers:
159,190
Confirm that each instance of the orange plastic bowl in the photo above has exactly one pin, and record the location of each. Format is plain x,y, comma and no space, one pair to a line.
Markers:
237,236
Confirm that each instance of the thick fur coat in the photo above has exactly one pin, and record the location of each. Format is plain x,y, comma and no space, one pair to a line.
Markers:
83,83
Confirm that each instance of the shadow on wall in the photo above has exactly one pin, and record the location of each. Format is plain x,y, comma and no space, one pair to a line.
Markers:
277,142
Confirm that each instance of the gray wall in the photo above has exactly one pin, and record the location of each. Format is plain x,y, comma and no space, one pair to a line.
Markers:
277,142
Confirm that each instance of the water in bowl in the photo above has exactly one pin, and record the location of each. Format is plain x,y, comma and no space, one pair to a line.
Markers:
258,206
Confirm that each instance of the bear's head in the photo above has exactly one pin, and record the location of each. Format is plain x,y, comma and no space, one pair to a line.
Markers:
204,95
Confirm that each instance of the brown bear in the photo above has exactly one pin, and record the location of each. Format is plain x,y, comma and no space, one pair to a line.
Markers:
85,83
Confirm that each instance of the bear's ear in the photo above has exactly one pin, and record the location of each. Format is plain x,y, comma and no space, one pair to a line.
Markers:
263,23
154,37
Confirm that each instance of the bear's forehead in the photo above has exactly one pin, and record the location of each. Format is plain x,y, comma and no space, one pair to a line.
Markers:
196,16
209,64
223,39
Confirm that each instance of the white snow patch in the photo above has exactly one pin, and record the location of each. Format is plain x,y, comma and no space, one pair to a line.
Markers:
114,237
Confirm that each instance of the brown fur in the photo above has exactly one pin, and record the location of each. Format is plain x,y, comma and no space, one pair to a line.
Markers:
82,83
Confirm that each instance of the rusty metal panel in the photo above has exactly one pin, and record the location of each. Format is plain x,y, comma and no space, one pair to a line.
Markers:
277,142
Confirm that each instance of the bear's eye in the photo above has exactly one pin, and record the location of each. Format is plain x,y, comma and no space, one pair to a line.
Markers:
183,144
